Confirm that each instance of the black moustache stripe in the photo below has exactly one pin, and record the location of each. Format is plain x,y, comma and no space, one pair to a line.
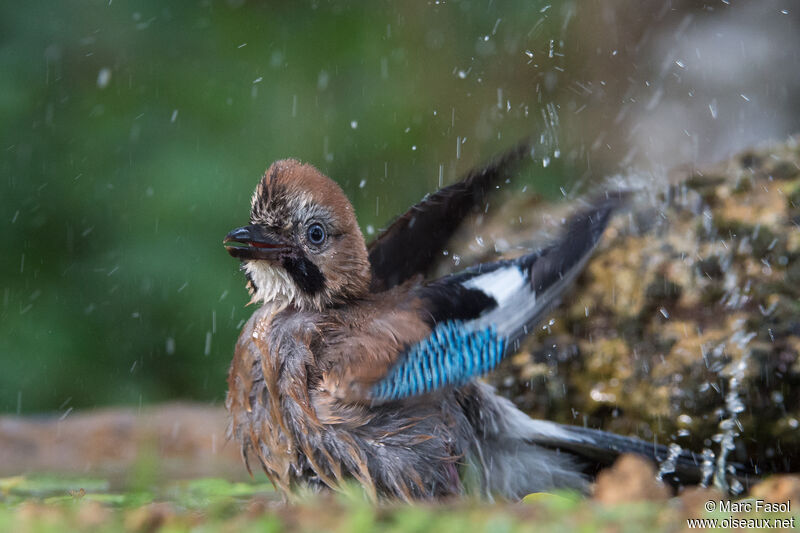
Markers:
305,274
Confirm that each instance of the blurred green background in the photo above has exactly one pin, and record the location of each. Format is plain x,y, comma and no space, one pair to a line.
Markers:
133,134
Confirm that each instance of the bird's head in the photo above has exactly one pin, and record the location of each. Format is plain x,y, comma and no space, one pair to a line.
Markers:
303,246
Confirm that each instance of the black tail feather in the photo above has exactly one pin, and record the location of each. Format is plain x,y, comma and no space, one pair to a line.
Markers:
598,449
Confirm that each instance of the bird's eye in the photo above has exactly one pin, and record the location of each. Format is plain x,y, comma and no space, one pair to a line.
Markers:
316,234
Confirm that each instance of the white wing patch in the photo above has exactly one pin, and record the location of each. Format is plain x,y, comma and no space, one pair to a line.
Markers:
502,284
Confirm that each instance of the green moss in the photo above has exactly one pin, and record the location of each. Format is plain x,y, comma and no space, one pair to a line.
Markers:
710,267
705,186
699,182
766,243
729,228
662,291
712,293
793,273
784,170
793,198
43,486
539,512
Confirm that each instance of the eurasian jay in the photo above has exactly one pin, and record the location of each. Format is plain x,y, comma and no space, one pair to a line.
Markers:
356,367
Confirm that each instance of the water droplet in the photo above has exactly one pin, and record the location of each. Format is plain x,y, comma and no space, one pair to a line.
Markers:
103,78
712,107
207,349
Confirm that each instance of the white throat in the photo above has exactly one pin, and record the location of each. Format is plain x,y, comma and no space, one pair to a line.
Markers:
272,284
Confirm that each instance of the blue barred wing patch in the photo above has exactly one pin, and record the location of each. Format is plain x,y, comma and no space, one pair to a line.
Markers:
453,354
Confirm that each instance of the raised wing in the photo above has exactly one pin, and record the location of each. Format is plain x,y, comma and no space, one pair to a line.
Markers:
412,242
482,313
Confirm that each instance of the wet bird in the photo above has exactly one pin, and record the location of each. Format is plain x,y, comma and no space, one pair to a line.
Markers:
356,367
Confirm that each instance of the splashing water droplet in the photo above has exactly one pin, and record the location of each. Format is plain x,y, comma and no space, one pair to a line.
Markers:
668,465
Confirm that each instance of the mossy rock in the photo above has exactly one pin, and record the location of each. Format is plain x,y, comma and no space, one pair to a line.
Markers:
688,314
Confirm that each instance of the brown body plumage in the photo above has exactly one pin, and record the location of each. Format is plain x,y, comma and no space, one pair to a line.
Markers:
289,386
302,362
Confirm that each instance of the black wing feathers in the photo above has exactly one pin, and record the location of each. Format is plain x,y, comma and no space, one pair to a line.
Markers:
552,271
583,232
411,243
446,301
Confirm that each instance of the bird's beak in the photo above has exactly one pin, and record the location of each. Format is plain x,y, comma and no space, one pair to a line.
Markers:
253,242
